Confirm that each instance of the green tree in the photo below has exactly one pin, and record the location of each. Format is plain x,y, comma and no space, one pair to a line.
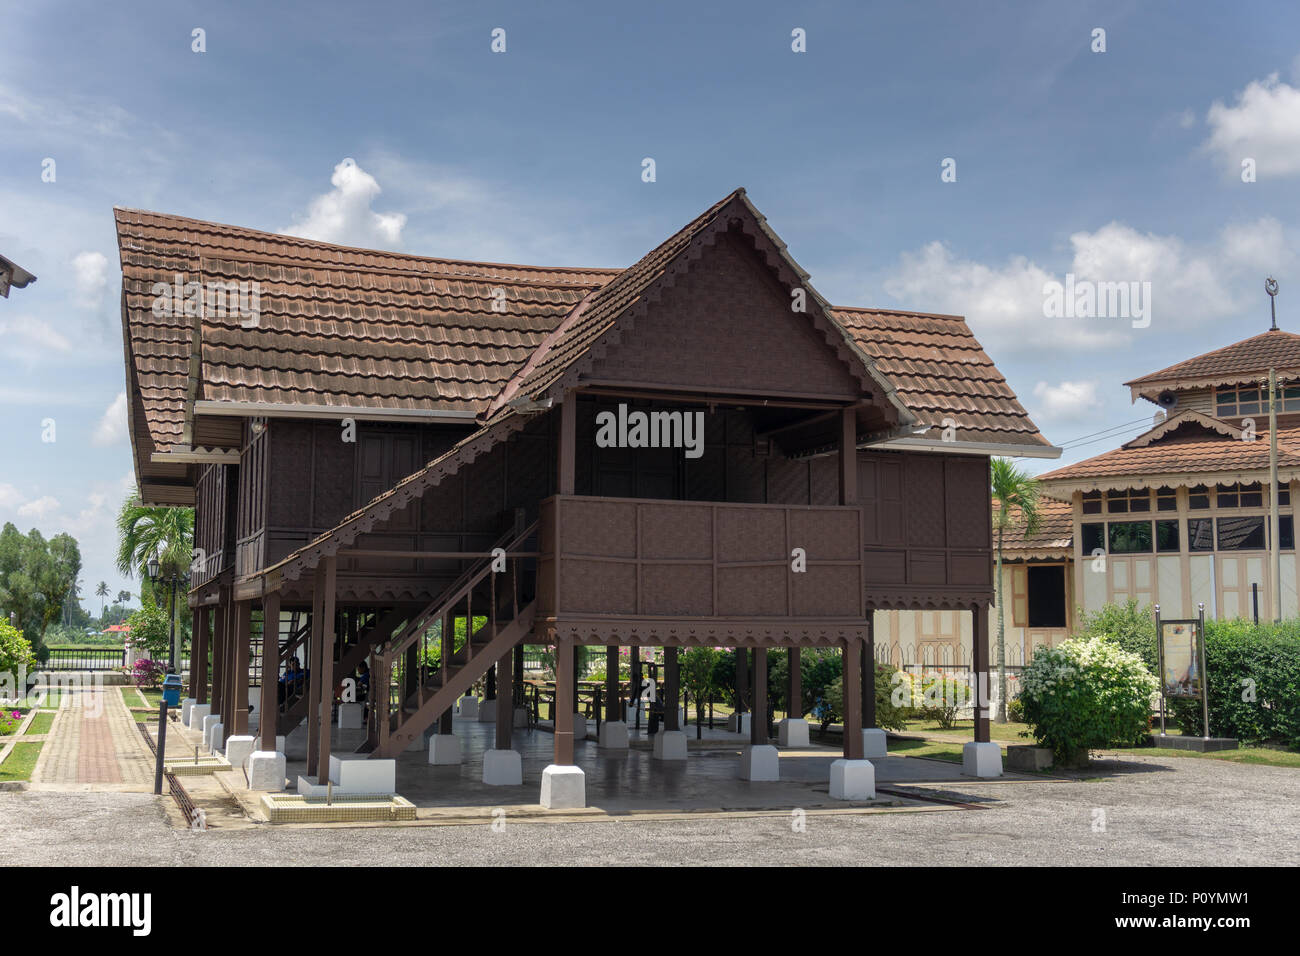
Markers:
102,593
37,577
1015,501
698,666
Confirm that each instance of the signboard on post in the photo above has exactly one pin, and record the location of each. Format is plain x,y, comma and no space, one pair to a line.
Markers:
1180,647
1180,674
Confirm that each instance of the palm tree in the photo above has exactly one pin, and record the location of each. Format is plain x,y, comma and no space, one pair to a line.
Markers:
102,593
163,533
1015,498
123,597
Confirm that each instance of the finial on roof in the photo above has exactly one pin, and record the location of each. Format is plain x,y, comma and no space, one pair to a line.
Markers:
1270,286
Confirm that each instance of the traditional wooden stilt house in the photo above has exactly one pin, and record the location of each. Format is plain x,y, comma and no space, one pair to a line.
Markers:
697,449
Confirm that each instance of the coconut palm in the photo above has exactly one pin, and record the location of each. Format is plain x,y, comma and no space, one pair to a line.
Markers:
144,533
1015,500
102,593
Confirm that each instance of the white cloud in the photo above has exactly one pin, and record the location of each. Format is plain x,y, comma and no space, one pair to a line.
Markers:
9,497
1191,286
28,338
1066,402
39,508
1263,125
89,278
344,214
111,429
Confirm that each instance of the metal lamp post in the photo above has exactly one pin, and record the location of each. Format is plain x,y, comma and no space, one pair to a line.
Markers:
173,578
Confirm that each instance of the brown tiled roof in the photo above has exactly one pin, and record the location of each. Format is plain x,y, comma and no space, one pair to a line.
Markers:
940,371
337,326
1055,528
1190,449
1242,361
597,316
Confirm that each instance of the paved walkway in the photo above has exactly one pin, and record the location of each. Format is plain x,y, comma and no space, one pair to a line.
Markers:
93,743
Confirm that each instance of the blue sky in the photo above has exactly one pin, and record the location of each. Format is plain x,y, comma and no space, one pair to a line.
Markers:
1123,165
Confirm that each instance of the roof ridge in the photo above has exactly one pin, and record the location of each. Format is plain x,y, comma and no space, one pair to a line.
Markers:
320,243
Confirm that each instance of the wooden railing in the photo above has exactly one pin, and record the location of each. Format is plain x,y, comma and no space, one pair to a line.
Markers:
692,560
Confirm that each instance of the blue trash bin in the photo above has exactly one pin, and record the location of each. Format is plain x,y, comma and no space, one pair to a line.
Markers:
172,690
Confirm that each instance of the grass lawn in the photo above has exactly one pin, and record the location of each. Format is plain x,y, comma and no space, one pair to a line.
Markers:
152,698
45,700
1004,733
1266,756
41,722
20,762
926,748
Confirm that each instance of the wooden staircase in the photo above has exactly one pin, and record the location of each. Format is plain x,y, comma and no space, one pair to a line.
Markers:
408,714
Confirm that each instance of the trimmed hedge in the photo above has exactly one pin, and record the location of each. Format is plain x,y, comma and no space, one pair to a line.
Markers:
1254,683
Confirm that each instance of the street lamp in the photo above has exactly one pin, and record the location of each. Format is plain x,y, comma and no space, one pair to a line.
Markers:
172,577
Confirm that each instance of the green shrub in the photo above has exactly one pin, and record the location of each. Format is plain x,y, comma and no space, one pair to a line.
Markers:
1254,682
1086,693
16,654
890,715
1016,710
1129,625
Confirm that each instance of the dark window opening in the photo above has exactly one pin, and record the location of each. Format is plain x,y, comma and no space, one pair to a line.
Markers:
1286,532
1166,499
1241,534
1092,502
1166,535
1046,596
1200,534
1130,537
1198,498
1094,538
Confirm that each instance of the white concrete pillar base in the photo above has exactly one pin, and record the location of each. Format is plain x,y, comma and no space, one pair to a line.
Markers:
487,711
563,787
579,727
760,763
279,744
205,720
351,716
444,750
853,780
197,713
875,743
266,770
186,704
503,768
613,735
214,737
467,708
670,745
239,748
738,723
981,760
521,716
356,773
792,732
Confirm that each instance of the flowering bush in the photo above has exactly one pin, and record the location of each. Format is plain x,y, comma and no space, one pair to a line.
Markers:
9,722
15,651
149,673
1086,693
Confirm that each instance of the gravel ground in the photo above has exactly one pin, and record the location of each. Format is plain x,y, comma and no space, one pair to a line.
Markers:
1157,811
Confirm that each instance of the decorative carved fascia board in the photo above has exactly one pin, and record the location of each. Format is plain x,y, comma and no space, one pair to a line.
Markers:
783,633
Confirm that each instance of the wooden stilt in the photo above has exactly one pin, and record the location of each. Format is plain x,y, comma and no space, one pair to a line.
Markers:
199,656
448,649
612,702
980,646
672,693
239,668
852,676
327,666
869,673
312,688
505,701
794,708
565,704
270,669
